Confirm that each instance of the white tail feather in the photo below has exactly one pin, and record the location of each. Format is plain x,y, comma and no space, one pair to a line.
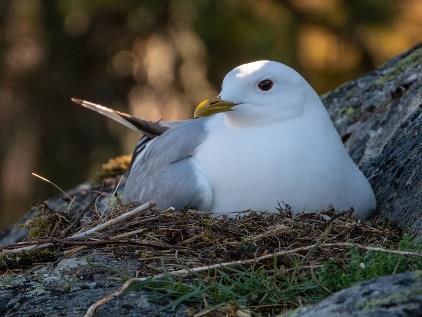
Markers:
110,113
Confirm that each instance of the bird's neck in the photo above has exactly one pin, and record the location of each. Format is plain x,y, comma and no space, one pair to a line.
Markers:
314,124
313,117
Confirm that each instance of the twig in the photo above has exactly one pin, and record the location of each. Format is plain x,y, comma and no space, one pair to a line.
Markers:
42,245
48,242
206,311
140,221
71,252
84,234
78,218
184,272
363,247
270,233
26,248
340,214
127,234
144,243
106,299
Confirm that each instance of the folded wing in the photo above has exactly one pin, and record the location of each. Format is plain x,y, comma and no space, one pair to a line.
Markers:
166,172
162,167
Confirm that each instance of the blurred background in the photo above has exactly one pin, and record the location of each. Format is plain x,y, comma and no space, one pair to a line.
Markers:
158,59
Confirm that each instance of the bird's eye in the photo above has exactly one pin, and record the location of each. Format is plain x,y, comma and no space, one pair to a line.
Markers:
265,84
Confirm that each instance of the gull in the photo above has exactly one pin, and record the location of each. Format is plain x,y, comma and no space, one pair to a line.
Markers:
266,138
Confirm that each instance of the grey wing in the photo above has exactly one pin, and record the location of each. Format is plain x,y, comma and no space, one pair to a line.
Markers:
164,171
146,139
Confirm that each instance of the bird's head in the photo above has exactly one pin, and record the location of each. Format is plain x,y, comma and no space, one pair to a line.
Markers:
262,90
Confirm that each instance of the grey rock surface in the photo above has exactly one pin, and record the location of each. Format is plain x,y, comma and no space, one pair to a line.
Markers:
69,287
397,295
380,114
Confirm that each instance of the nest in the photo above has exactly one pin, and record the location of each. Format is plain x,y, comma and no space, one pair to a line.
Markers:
172,240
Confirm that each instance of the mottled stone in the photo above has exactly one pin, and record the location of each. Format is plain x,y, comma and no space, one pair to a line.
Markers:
71,286
380,115
68,266
397,295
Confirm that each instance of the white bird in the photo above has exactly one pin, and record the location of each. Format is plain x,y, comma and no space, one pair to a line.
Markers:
266,138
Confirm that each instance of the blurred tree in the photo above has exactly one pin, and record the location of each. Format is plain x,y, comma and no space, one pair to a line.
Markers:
157,59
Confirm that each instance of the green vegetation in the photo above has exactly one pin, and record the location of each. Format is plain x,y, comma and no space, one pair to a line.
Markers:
403,64
272,289
46,222
367,265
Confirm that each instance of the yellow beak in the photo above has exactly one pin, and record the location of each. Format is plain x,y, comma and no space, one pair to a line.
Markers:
212,106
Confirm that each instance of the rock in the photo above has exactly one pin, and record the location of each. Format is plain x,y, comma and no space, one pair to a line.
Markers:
397,295
396,176
69,266
380,114
71,286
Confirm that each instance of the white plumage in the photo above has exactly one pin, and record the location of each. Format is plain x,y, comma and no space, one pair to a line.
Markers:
278,145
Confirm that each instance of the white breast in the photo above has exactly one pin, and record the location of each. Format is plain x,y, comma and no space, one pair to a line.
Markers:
257,167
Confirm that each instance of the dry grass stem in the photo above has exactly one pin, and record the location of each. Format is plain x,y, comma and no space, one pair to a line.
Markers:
55,186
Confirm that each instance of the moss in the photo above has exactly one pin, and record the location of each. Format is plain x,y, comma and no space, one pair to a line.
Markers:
392,299
41,226
350,112
115,201
45,223
114,167
401,66
26,259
